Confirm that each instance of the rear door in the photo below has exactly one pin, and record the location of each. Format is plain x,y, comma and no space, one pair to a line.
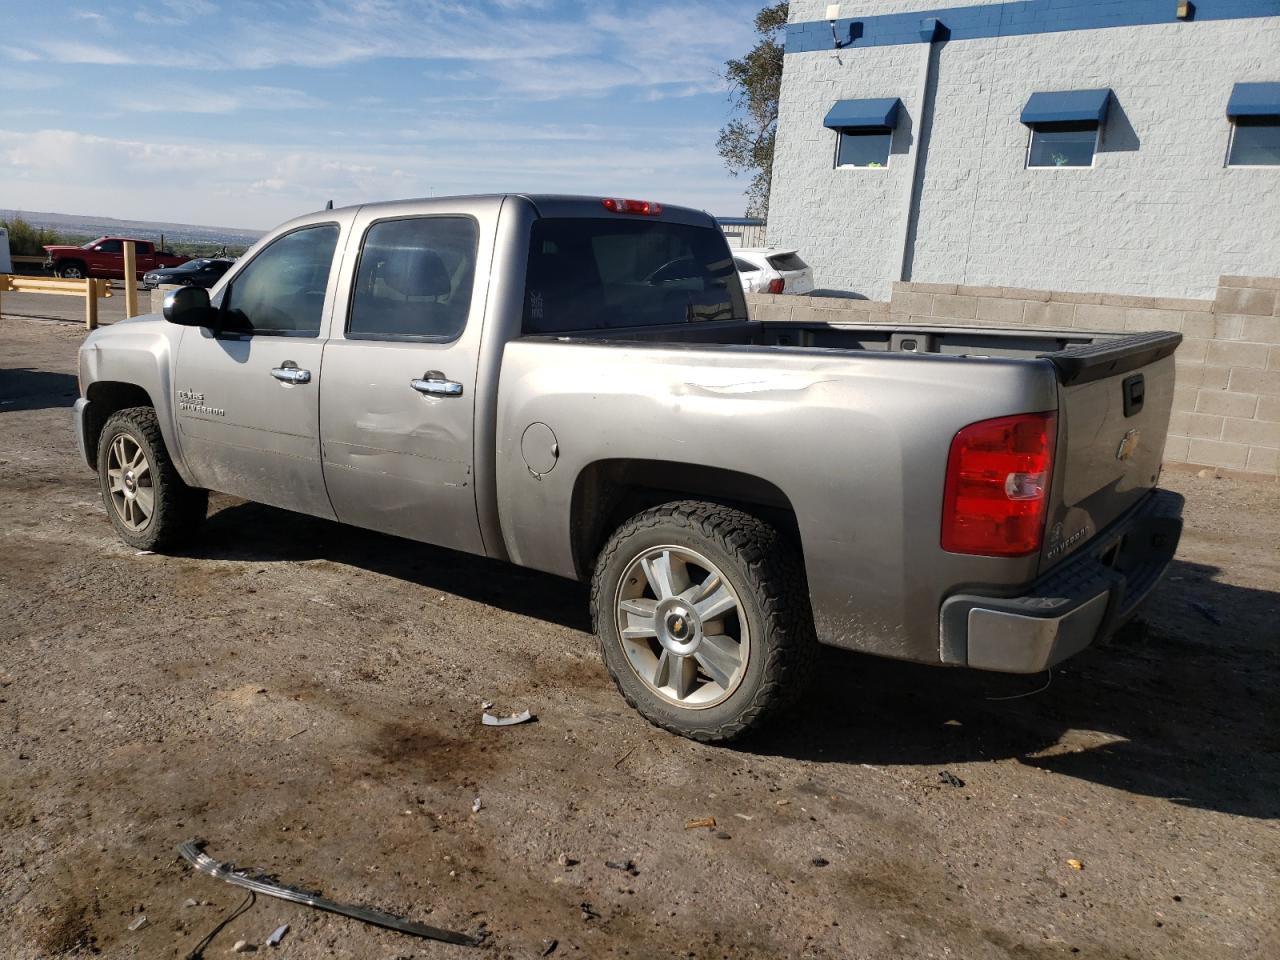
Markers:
248,395
1111,438
398,405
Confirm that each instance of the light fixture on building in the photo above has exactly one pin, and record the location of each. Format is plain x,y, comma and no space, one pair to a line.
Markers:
1186,9
833,14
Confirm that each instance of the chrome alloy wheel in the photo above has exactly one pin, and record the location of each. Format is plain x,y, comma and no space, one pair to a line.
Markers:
682,627
129,479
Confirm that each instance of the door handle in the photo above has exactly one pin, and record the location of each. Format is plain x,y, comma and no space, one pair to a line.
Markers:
290,372
435,384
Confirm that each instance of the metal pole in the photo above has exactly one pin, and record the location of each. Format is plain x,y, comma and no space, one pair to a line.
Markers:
130,279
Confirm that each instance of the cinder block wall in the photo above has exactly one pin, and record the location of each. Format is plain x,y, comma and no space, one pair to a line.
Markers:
1226,406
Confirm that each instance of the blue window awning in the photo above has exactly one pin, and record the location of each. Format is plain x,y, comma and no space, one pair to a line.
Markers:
1067,106
863,114
1254,100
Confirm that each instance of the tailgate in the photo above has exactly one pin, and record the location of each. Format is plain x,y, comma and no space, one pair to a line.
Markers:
1114,400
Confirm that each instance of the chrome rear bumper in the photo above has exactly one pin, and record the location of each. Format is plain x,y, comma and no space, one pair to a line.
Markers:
1082,600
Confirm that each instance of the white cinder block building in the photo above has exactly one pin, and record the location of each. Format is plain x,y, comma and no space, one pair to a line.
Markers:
1112,146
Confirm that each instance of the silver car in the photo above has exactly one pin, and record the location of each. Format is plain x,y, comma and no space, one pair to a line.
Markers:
573,384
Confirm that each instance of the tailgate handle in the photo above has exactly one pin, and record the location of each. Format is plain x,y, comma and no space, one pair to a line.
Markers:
1135,389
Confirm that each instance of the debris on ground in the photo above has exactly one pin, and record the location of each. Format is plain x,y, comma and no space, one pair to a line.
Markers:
699,822
1075,864
139,922
489,720
627,866
820,861
192,851
744,816
1209,613
476,805
950,779
566,861
486,705
722,835
243,946
277,935
190,902
588,913
549,947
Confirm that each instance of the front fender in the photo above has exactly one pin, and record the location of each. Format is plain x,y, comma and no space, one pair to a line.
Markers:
139,353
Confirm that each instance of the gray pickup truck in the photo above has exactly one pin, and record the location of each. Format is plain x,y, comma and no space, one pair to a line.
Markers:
574,385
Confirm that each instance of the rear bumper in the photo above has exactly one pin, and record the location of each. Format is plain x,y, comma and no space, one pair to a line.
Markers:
1082,600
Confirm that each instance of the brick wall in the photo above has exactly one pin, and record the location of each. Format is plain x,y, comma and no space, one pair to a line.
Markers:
1226,406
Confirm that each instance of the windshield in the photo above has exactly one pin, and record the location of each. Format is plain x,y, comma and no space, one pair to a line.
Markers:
593,273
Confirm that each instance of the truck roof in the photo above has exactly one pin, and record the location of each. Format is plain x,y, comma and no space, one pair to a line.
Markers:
555,205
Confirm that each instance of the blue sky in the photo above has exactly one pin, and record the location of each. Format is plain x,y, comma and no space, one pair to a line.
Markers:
243,114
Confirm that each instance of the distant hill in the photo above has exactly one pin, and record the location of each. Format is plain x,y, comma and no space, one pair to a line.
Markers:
174,233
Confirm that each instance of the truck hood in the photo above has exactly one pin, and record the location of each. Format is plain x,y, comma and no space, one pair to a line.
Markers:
63,248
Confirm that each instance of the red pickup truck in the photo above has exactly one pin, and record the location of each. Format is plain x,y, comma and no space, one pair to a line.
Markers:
104,257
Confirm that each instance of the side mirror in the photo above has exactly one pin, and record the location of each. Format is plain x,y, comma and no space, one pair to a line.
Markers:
98,248
189,307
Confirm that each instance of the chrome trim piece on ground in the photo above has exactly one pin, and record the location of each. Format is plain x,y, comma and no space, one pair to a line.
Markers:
191,852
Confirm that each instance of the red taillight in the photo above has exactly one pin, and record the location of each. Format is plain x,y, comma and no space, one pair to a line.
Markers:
645,208
998,486
776,285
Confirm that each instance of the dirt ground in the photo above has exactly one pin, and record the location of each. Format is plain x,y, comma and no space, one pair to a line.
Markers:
307,699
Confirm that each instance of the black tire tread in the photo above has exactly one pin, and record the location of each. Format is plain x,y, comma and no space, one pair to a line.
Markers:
779,587
180,509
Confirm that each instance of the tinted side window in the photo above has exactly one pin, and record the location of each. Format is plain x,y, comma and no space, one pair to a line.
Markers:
282,291
590,273
415,279
111,246
744,266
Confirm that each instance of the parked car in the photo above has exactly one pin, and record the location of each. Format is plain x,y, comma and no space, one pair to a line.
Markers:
529,378
773,270
104,257
204,272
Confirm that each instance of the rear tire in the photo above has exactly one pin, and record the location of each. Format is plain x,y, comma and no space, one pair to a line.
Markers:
703,618
149,504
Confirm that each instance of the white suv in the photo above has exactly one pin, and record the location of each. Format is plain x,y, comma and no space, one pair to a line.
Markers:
773,270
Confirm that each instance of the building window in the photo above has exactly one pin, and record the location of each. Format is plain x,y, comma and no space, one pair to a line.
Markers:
864,131
1063,145
1066,126
1254,110
863,148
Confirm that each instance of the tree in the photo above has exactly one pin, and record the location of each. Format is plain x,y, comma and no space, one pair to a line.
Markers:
746,141
26,240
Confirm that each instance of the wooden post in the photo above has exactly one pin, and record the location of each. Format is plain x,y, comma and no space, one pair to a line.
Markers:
90,304
130,279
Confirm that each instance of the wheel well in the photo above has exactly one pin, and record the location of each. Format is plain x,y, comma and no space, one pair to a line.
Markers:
608,492
105,398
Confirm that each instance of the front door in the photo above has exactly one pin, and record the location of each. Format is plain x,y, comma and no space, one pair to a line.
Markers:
248,394
397,408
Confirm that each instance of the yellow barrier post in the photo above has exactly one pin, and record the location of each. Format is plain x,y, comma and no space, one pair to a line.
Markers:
130,279
90,305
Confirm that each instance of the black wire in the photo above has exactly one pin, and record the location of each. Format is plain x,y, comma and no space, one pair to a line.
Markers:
197,952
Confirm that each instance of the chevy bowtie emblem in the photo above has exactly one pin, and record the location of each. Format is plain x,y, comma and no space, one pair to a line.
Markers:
1128,445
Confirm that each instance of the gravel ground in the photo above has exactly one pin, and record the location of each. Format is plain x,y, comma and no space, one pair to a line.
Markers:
307,698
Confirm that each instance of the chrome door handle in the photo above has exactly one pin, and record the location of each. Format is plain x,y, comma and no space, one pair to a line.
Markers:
290,372
434,383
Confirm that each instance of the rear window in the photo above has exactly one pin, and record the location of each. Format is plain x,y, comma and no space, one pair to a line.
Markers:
593,273
786,261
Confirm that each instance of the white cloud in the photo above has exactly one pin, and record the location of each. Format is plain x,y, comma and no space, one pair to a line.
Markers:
256,186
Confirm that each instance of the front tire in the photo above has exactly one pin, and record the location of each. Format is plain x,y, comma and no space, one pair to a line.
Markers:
703,618
71,270
149,504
